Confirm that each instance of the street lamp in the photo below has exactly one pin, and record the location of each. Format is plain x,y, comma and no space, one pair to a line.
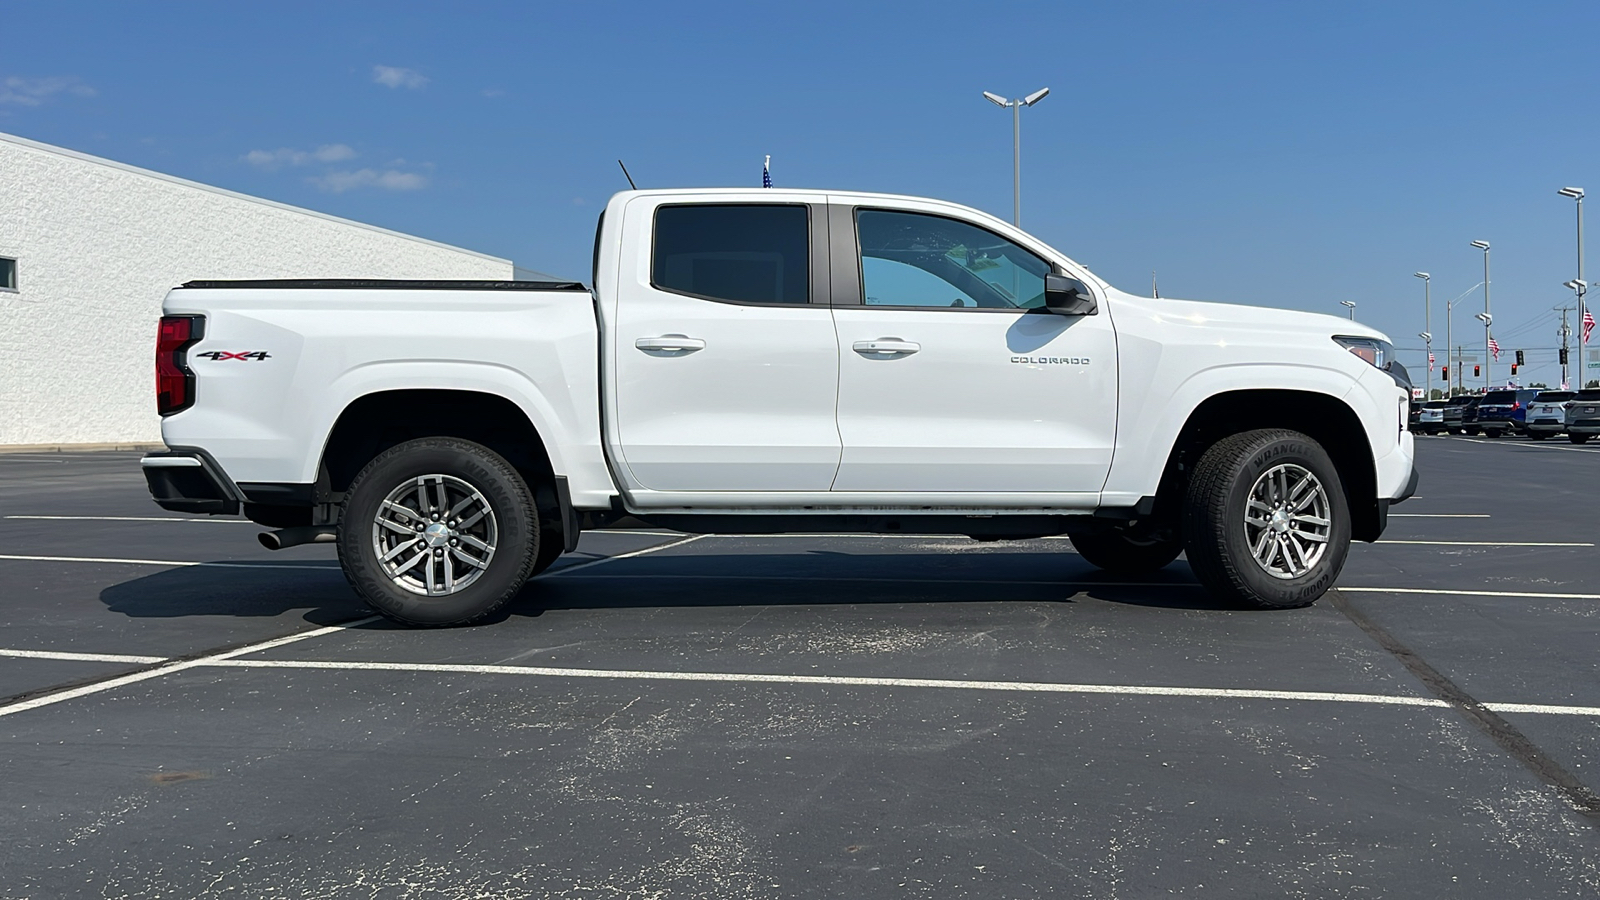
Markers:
1576,193
1484,246
1016,144
1427,322
1352,308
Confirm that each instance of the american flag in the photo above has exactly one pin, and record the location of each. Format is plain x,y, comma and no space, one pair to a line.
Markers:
1430,360
1494,348
1588,325
766,172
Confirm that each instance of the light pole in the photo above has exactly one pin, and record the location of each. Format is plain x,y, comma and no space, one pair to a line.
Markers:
1484,246
1016,144
1352,308
1579,288
1427,325
1576,193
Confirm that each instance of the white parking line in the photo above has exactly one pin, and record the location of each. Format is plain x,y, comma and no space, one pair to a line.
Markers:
1528,446
168,562
168,669
855,578
1047,687
595,562
132,519
1438,515
81,657
1493,543
1460,593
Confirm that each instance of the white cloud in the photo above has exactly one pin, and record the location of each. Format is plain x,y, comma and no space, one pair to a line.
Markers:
18,91
395,77
388,180
287,156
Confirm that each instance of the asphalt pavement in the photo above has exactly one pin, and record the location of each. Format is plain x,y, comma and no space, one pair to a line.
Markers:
184,713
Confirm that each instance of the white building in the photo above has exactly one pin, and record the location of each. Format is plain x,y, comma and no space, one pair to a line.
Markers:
89,247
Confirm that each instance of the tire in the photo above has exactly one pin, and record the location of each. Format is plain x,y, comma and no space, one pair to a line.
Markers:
461,582
1492,432
1117,551
1578,438
1537,435
1215,529
1473,431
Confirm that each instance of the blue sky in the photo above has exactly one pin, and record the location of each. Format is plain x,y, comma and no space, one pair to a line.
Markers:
1280,153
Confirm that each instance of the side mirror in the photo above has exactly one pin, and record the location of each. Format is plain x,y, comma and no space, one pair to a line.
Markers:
1068,297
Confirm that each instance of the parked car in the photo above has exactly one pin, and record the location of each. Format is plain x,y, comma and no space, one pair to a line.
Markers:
760,361
1430,418
1503,412
1469,414
1547,414
1414,416
1583,415
1454,409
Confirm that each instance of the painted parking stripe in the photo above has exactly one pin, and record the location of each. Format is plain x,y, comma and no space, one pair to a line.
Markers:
1528,446
595,562
1438,515
171,667
1468,593
1047,687
170,562
855,578
81,657
1492,543
133,519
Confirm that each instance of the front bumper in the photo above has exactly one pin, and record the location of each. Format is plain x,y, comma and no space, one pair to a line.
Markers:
189,481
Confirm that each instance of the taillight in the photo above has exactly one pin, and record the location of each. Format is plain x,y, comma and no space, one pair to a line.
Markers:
174,381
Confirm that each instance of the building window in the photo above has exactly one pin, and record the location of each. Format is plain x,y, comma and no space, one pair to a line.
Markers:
8,274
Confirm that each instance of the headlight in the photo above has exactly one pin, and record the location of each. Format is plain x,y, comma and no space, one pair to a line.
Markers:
1379,353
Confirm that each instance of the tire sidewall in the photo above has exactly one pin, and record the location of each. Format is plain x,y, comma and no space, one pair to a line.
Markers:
1287,592
508,497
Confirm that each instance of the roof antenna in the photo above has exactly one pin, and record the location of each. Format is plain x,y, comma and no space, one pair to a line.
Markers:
627,176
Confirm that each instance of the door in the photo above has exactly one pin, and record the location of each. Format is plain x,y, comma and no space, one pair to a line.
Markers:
952,376
726,364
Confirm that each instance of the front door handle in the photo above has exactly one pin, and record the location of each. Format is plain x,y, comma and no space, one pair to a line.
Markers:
670,342
886,346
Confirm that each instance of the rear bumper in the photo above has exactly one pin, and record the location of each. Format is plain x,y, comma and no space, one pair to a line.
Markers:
189,481
1546,426
1584,426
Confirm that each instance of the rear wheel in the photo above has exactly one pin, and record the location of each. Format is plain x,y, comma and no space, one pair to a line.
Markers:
1578,438
1265,523
438,531
1537,435
1116,550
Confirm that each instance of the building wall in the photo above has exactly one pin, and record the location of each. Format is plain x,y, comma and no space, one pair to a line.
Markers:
99,245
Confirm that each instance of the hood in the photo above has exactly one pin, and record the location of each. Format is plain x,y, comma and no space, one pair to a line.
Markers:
1237,316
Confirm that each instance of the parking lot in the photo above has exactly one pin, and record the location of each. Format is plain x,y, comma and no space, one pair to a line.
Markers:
185,714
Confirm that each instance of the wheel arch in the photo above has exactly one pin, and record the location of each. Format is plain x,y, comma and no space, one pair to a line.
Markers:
1326,419
372,423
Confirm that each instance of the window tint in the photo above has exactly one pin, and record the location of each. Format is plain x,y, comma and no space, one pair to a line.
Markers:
1587,394
1552,396
1494,397
8,274
746,254
910,259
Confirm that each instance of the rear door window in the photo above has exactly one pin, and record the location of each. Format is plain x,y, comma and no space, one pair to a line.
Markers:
736,253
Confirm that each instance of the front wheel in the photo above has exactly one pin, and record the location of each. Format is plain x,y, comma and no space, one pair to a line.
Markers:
1115,550
438,531
1265,524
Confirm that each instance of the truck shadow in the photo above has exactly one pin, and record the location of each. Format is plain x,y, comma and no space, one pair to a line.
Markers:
819,578
244,591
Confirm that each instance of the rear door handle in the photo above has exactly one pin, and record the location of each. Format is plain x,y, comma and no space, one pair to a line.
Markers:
670,342
886,346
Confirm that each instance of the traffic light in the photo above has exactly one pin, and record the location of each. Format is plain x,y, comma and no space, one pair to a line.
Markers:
1476,371
1519,361
1514,366
1563,356
1446,371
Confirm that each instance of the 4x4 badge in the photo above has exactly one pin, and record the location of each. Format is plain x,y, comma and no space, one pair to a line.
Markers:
220,355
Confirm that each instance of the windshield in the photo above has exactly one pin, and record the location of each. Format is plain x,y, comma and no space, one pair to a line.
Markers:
1500,397
1588,394
1552,396
1436,404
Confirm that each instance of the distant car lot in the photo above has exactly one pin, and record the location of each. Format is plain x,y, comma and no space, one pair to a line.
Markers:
187,714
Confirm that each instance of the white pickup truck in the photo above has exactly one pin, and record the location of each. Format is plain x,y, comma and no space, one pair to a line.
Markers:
760,361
